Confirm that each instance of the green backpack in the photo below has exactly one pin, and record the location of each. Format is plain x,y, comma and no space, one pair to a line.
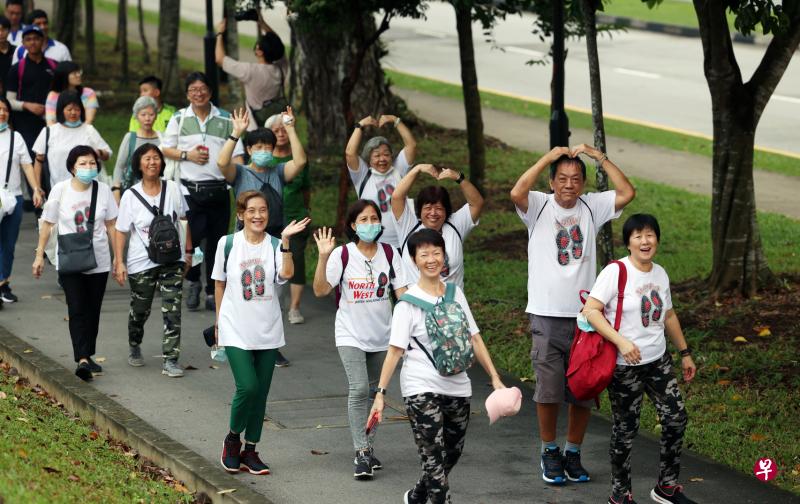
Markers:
448,330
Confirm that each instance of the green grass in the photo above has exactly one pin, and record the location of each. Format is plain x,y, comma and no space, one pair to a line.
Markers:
766,161
49,457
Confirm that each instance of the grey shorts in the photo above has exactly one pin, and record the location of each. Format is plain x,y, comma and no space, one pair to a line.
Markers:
552,338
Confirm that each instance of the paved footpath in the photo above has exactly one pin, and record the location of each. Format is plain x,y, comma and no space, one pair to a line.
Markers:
307,411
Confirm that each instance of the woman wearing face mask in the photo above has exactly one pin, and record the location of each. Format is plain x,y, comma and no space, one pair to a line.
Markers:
69,206
363,274
55,142
68,76
374,173
432,210
263,173
144,110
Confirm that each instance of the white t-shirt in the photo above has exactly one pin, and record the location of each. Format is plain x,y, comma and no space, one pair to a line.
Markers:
644,307
135,219
419,374
250,315
62,140
364,317
53,49
561,250
69,208
18,157
454,232
379,188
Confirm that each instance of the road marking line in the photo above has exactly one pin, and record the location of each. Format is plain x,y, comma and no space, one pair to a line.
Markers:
430,33
628,120
525,52
789,99
637,73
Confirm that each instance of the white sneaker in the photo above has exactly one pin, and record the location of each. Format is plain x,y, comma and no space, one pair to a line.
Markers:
295,317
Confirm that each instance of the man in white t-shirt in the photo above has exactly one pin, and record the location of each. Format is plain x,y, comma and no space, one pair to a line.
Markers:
53,49
562,227
433,210
374,173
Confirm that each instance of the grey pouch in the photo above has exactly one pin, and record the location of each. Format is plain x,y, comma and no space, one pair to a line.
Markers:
75,250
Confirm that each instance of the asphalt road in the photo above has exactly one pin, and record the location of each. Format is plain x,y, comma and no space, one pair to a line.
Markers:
647,77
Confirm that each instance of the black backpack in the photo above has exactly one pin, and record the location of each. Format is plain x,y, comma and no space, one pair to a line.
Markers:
165,242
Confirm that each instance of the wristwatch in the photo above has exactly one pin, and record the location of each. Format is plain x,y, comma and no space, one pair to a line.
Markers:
285,250
460,178
380,390
184,154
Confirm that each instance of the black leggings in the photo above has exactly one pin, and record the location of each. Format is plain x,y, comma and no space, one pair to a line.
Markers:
84,295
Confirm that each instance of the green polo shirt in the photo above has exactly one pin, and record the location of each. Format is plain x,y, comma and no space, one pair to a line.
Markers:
294,205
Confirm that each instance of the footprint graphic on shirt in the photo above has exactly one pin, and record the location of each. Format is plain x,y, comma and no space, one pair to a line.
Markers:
646,306
658,304
383,280
577,241
80,220
247,285
259,279
562,244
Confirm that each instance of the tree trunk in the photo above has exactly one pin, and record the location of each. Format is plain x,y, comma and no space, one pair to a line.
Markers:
472,97
605,243
122,40
168,64
235,94
91,56
739,264
65,29
145,45
341,79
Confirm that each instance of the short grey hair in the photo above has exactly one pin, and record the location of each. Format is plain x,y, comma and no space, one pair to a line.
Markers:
272,121
372,144
142,103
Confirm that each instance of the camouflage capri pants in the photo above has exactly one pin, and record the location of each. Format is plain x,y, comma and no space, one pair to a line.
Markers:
626,392
439,423
169,279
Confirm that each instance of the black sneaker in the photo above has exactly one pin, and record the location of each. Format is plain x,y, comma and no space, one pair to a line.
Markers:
573,468
363,469
552,467
670,495
625,499
250,462
281,361
374,462
211,303
94,367
6,295
84,372
230,455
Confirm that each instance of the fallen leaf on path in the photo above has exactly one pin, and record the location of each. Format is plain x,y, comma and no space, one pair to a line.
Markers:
72,477
22,453
525,379
47,296
181,488
695,480
93,435
740,339
226,491
736,397
214,366
28,350
319,452
190,368
717,304
724,382
75,462
22,419
100,359
764,332
66,319
757,437
723,369
51,469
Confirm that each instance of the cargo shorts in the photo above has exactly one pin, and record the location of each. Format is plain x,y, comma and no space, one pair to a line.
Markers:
551,341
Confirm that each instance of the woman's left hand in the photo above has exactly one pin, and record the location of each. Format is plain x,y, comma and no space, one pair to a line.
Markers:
497,383
288,118
377,408
386,119
689,368
295,227
222,25
449,173
38,198
585,149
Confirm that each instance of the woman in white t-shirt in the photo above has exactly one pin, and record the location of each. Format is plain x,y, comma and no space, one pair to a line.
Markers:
374,173
643,364
362,273
432,210
70,208
16,160
247,269
432,401
142,273
70,130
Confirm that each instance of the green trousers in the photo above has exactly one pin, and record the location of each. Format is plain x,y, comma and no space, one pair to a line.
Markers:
252,372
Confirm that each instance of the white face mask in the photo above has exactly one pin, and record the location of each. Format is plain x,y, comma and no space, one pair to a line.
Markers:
218,353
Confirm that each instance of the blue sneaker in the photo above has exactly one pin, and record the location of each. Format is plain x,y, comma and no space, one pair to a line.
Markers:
573,468
552,466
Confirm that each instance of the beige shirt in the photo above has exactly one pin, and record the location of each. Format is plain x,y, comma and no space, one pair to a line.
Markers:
262,82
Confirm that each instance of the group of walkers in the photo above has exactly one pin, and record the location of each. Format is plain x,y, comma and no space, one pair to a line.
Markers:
398,282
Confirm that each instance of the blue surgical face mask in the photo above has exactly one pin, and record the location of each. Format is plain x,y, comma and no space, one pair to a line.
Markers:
73,124
86,175
3,126
218,353
368,232
262,159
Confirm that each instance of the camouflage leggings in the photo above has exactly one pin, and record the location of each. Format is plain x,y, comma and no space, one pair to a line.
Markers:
439,423
169,278
626,392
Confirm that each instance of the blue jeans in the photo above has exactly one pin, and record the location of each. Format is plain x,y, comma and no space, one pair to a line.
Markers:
363,370
9,232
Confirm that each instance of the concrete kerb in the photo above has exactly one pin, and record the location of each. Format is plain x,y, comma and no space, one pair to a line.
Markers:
120,423
668,29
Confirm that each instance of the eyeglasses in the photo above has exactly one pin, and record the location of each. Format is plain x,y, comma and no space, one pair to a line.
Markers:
370,274
197,90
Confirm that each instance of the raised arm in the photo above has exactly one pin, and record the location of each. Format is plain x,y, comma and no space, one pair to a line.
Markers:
326,242
519,193
240,119
291,229
400,193
219,47
471,193
299,159
351,150
409,143
622,186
